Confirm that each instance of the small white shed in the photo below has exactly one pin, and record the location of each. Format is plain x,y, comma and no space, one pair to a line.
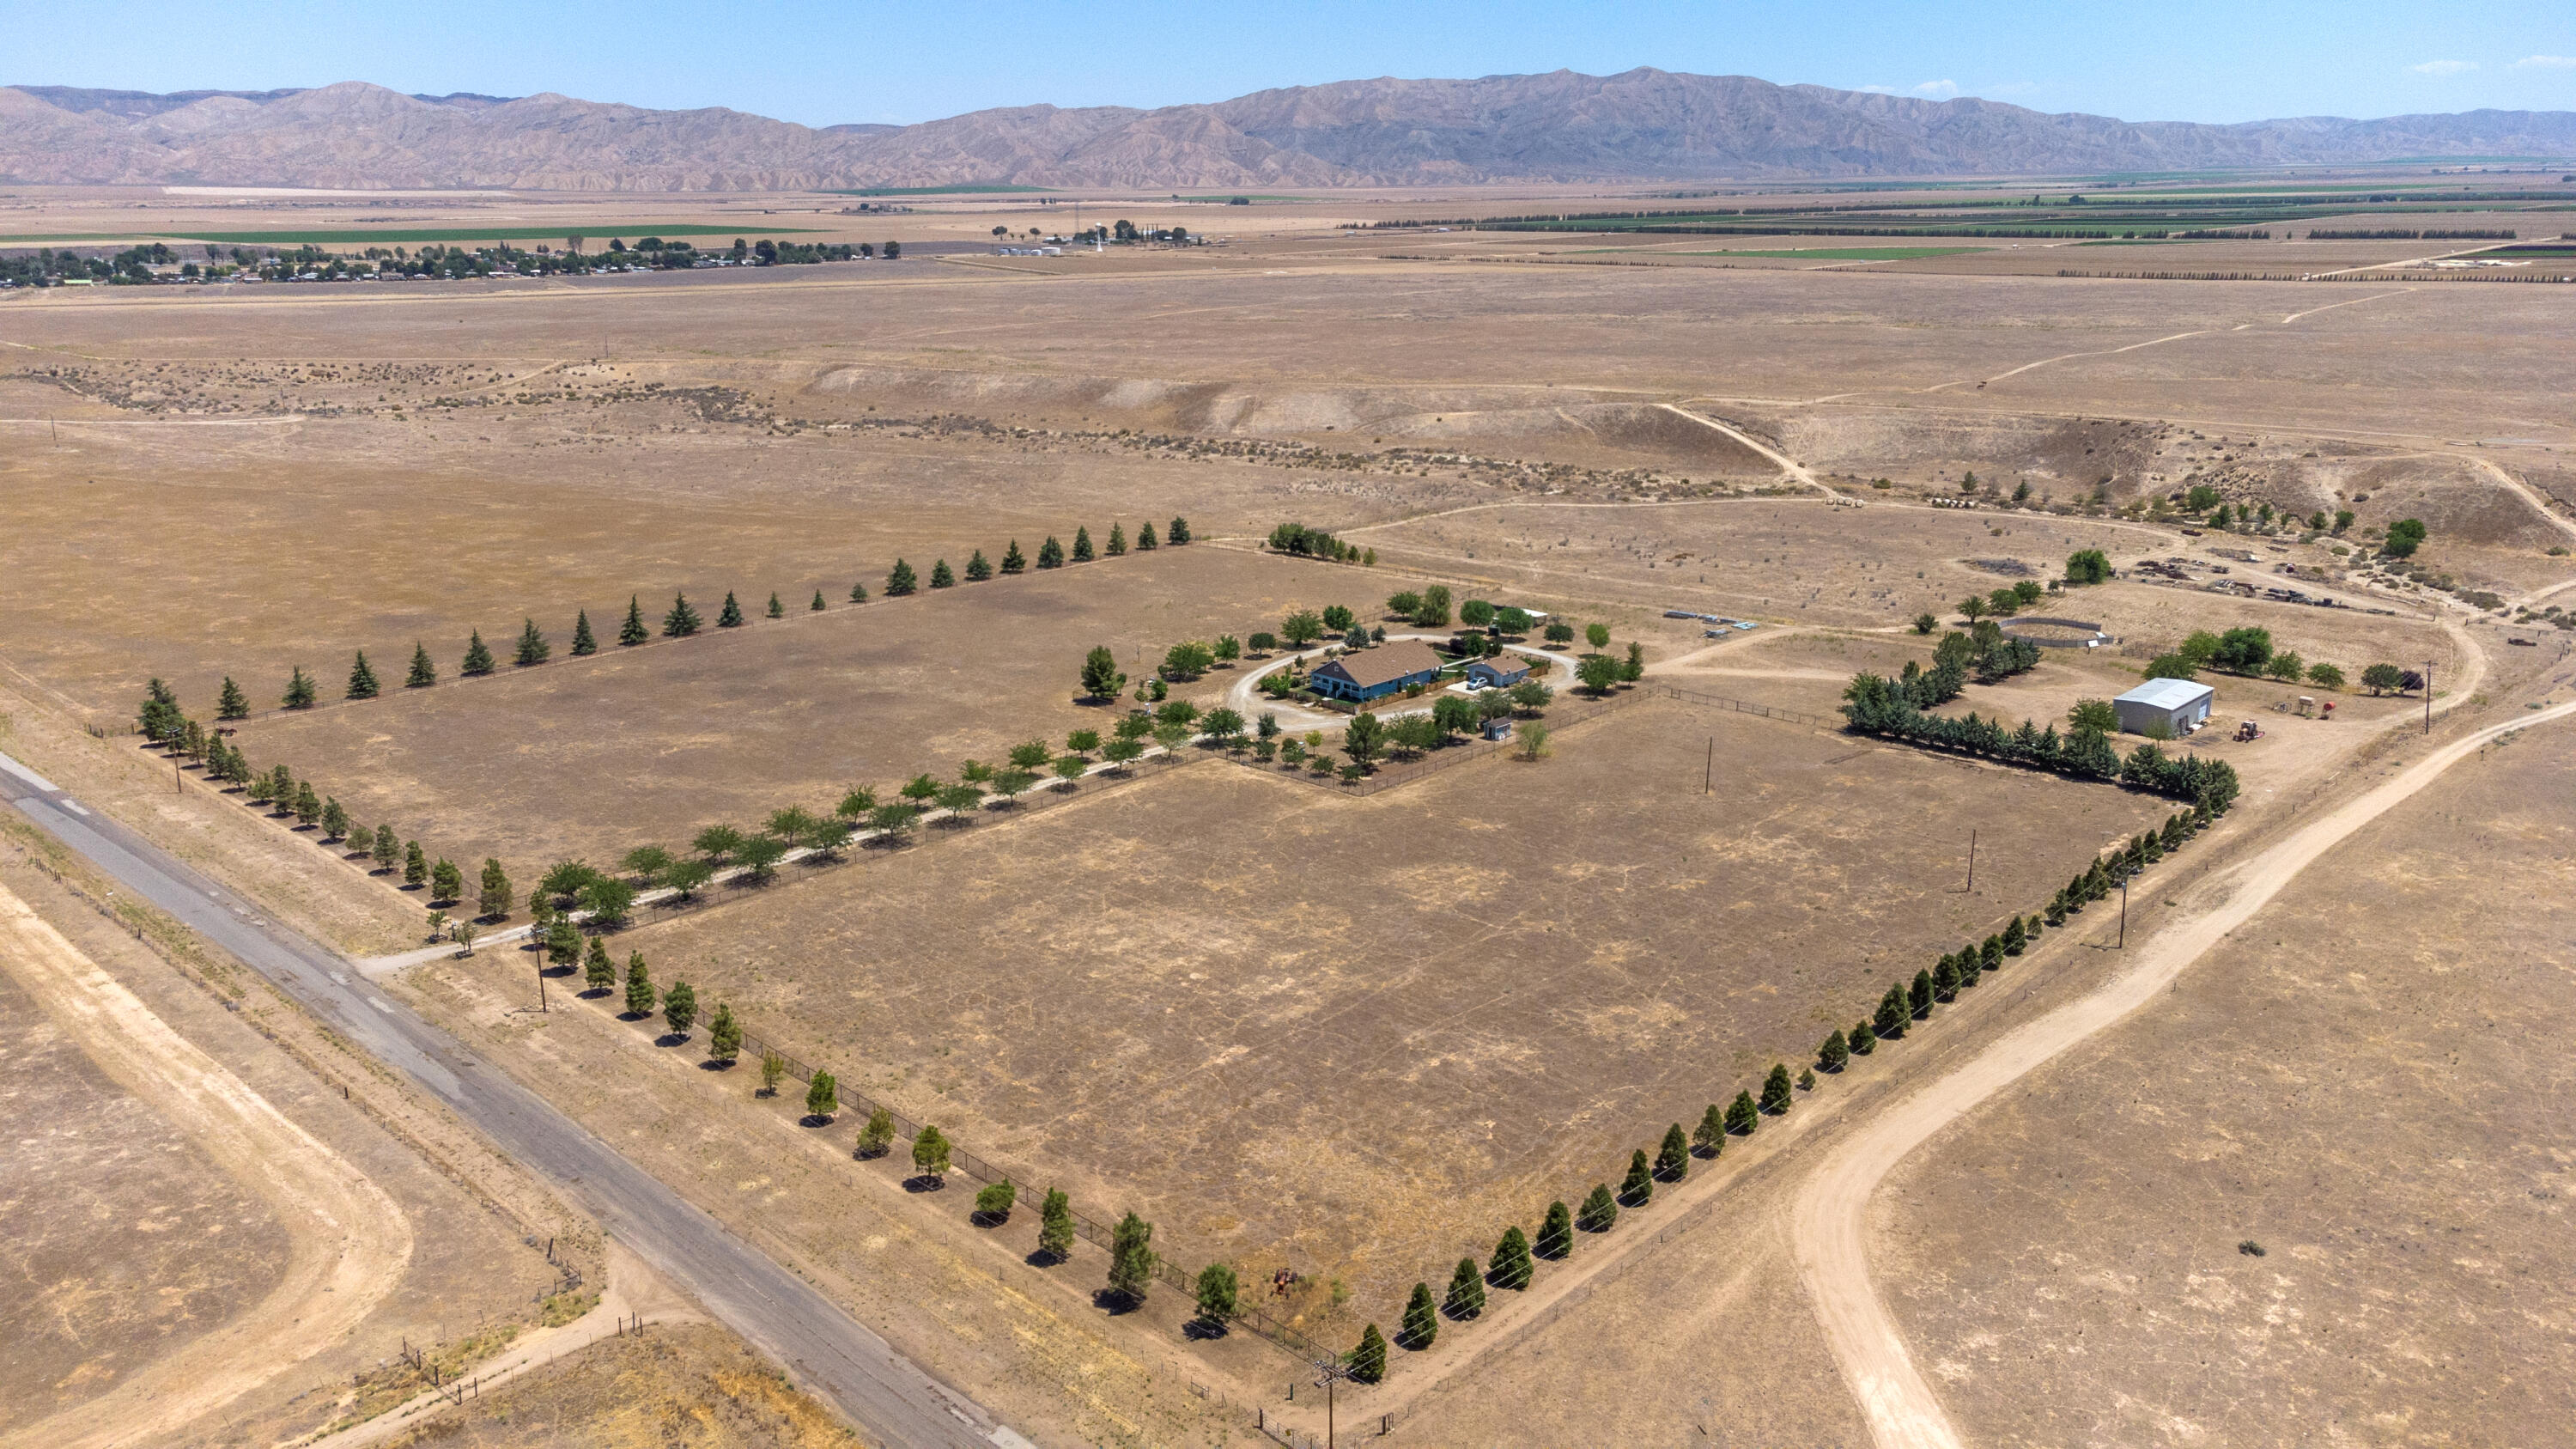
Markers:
2176,704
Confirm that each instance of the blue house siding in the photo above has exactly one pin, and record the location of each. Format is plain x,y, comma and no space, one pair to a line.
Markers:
1326,684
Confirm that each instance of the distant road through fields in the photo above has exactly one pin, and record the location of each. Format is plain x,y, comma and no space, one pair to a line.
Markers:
892,1400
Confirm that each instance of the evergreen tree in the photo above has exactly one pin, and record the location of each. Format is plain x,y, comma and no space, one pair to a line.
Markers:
1082,545
1950,976
901,581
1834,1053
1132,1259
632,632
1117,541
1990,953
2015,938
388,847
930,1150
1050,554
1421,1326
776,609
335,821
640,994
2056,914
1638,1188
308,805
415,865
1511,1267
1055,1225
730,616
1012,560
1217,1292
823,1096
876,1137
1556,1233
533,648
683,619
495,897
680,1007
817,606
1864,1039
1775,1090
362,679
1145,535
1100,676
858,593
478,656
232,703
1742,1117
1368,1361
941,576
1179,532
423,673
1600,1211
599,973
299,690
1807,1079
978,568
446,882
1919,1000
1709,1138
584,642
1672,1160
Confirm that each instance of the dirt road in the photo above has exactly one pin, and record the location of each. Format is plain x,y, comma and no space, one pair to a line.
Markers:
1829,1217
350,1242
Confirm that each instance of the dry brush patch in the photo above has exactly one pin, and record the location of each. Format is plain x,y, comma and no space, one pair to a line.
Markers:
1356,1037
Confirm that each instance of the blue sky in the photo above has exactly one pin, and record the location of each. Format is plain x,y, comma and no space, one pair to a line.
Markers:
2181,60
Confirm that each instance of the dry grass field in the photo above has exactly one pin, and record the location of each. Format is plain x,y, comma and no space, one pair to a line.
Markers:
2366,1081
1354,1037
589,758
691,1385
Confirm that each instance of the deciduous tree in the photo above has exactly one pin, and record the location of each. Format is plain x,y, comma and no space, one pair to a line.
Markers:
1217,1289
823,1096
930,1150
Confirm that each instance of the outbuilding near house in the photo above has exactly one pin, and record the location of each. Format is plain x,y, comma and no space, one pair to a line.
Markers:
1498,671
2172,707
1367,674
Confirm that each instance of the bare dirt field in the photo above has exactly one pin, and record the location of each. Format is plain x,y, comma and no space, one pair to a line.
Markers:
1351,1037
211,1245
593,757
2362,1083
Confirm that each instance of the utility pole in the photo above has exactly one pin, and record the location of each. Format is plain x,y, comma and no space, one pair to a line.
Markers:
1972,860
1708,777
1330,1371
2428,696
541,978
2124,915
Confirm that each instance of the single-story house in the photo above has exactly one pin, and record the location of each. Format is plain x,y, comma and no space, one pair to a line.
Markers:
1498,671
1367,674
2175,704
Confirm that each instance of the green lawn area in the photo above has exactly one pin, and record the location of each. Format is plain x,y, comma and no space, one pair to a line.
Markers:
389,236
1817,254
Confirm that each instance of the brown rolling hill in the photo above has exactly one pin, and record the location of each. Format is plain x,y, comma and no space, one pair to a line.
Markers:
1641,125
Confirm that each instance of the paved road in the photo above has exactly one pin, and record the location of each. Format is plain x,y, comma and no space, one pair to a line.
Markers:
891,1399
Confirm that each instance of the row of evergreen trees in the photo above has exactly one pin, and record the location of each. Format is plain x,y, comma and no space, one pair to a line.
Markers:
1877,705
679,622
168,726
904,579
1513,1265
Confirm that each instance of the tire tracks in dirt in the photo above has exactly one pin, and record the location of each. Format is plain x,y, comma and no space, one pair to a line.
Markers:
350,1242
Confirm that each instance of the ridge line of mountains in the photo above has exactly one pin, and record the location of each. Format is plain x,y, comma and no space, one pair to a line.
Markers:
1639,126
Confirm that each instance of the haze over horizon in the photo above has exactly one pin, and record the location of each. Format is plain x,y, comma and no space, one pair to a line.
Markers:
2195,61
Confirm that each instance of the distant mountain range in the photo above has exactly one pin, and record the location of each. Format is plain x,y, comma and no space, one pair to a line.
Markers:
1642,125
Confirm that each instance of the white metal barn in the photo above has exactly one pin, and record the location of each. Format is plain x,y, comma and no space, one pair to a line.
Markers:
2177,704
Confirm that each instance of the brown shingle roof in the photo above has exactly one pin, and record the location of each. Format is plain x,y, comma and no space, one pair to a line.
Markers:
1369,668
